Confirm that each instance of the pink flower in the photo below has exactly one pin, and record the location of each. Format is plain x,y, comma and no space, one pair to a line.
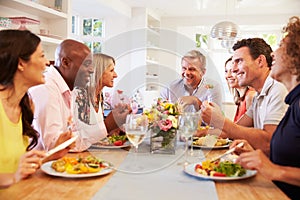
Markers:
165,125
166,112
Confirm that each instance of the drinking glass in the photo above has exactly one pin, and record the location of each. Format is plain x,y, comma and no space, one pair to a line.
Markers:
136,128
188,124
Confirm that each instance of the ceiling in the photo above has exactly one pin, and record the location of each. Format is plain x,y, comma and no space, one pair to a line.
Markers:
250,15
186,8
175,8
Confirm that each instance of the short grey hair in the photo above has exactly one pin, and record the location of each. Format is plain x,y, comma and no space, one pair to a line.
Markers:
195,54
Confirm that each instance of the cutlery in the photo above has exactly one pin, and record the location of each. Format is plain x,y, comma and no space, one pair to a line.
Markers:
61,146
227,152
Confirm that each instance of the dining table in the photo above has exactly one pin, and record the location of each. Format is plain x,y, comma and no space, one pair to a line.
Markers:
165,181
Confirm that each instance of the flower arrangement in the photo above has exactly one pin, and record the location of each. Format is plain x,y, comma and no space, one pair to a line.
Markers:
163,123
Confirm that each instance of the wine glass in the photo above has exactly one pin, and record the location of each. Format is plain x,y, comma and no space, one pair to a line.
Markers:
136,128
188,124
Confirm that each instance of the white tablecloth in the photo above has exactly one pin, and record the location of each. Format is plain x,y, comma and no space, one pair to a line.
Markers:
145,176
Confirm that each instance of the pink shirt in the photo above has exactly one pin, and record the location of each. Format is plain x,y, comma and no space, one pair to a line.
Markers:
52,102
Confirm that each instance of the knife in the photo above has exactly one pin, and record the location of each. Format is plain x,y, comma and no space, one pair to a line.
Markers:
227,152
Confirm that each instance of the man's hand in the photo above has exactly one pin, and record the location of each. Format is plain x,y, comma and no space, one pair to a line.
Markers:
190,100
212,114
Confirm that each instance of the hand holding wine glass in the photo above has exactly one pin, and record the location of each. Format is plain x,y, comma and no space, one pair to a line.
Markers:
136,128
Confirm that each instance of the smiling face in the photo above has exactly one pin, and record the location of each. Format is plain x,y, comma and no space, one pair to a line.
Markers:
109,75
281,60
245,67
191,72
33,70
230,76
83,63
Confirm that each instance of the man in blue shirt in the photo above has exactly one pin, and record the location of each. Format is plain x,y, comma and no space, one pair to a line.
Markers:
193,88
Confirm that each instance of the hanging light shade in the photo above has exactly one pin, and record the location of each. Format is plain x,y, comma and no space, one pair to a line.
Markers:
224,30
227,44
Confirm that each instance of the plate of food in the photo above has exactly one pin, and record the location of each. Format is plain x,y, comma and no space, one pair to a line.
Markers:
113,142
211,142
219,171
77,167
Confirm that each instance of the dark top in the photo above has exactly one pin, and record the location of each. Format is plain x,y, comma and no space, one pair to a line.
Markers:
285,143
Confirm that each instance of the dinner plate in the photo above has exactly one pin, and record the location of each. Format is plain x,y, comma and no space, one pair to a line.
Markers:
190,169
210,147
46,167
98,145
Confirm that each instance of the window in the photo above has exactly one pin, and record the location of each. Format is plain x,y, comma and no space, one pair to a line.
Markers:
90,31
201,41
271,39
97,27
94,46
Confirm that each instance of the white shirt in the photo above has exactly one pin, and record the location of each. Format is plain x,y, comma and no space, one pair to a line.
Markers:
268,107
52,102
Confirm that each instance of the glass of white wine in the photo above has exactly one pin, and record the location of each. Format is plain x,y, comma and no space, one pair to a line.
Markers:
136,128
188,124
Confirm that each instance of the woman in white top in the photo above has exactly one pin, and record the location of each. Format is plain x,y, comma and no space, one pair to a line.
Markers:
104,75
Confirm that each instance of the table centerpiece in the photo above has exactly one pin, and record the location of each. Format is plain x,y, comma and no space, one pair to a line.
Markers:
163,125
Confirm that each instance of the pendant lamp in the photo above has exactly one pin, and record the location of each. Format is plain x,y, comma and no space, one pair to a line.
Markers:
225,30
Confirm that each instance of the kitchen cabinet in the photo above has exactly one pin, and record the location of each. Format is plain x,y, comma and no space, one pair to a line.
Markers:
54,19
152,53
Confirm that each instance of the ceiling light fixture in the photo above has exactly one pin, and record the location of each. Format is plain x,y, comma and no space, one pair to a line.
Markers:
225,30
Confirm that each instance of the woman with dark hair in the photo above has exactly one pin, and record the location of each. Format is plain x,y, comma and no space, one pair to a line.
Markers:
242,96
22,63
283,166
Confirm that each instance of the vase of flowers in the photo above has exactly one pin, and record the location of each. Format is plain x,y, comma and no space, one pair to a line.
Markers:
163,125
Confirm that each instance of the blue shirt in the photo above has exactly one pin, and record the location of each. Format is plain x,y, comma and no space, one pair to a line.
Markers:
207,89
285,143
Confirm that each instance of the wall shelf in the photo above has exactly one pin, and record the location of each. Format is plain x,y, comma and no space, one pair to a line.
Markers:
49,40
54,25
148,76
152,53
151,62
34,8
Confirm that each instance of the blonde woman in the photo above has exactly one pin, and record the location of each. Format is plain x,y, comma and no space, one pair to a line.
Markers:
104,75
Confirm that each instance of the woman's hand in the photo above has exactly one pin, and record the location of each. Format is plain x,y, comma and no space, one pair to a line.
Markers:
257,160
245,148
61,139
117,117
29,163
120,113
